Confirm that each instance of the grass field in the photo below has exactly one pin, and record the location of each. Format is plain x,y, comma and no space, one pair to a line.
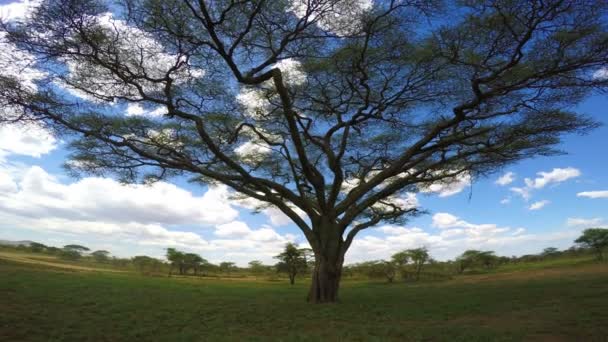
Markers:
561,303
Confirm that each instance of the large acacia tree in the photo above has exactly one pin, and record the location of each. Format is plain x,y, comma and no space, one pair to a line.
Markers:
333,111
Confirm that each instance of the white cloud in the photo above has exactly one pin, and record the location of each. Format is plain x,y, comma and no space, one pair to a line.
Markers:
233,229
135,109
39,194
505,200
456,236
275,216
601,74
506,179
449,187
17,10
593,194
578,222
448,221
25,139
555,176
538,205
292,71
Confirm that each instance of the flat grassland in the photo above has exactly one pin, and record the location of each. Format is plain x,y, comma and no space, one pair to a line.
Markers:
563,301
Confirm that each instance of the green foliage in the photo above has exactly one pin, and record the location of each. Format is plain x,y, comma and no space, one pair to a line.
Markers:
69,254
595,238
37,247
293,261
550,251
77,248
474,258
146,265
417,257
101,256
227,267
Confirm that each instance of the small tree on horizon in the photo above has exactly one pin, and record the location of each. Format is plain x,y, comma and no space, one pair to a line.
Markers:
293,261
101,256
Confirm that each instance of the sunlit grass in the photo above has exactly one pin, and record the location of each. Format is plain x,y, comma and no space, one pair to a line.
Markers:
91,306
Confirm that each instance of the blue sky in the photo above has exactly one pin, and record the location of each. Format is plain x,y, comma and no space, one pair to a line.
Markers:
38,201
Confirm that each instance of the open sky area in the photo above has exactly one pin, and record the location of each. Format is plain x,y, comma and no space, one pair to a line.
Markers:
526,207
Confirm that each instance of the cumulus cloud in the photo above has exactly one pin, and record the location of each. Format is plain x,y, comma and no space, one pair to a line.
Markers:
555,176
25,139
506,179
593,194
538,205
449,221
455,236
39,194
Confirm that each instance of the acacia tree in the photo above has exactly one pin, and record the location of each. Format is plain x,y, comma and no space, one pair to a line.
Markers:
293,261
329,110
101,256
418,256
595,238
176,259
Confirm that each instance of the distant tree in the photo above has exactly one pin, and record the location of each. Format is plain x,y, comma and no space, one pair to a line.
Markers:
177,260
193,261
145,264
78,248
472,258
417,256
550,251
37,247
378,269
487,259
70,254
401,258
467,260
256,267
293,261
596,239
53,250
120,262
101,256
227,267
389,269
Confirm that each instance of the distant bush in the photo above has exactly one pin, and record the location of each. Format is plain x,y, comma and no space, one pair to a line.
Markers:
69,254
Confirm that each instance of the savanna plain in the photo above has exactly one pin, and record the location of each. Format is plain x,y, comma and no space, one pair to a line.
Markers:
48,299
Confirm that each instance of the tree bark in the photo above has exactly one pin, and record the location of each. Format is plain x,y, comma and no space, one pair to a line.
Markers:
325,280
329,249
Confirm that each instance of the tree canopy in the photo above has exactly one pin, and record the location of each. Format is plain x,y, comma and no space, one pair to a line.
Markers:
293,261
595,238
332,111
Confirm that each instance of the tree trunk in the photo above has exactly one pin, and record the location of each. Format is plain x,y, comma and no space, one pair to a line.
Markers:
292,279
326,277
329,249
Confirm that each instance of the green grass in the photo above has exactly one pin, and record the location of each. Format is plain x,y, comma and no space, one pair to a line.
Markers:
37,304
